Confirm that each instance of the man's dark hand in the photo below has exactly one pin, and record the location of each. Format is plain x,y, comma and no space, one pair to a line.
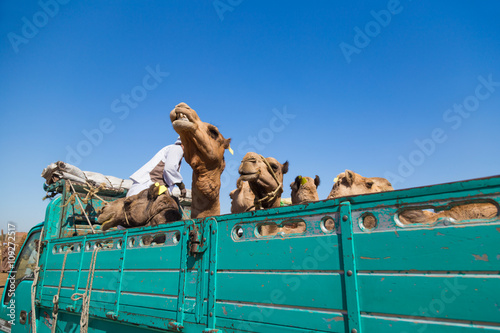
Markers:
182,187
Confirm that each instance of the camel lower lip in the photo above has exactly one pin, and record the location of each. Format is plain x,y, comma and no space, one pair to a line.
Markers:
106,221
183,125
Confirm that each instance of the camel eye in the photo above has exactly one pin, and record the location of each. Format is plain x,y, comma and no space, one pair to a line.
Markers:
275,167
369,184
213,132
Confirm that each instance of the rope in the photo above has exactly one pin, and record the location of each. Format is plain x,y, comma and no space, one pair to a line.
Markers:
109,181
36,272
71,200
81,206
272,195
55,300
85,297
92,192
250,208
126,218
183,211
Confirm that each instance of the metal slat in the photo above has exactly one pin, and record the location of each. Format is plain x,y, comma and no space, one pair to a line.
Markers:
211,228
350,273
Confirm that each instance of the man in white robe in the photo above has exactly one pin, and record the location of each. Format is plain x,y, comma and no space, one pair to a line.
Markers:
163,168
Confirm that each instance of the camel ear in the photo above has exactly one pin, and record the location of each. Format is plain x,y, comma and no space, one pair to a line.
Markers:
316,181
285,168
349,175
387,183
226,143
151,192
126,203
295,185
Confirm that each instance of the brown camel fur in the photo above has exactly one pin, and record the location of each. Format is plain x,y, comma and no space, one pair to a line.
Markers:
204,148
458,213
242,198
350,183
148,207
266,188
304,190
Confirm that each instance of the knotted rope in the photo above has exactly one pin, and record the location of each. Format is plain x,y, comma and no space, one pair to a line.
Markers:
36,272
92,192
55,300
81,206
85,297
71,200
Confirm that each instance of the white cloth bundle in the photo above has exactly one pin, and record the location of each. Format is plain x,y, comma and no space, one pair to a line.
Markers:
63,170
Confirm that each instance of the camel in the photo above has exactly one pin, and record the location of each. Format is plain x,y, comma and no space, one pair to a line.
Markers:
304,190
458,213
265,178
151,206
242,198
350,183
204,148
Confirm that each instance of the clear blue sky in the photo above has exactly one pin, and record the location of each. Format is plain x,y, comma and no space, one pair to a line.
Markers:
363,85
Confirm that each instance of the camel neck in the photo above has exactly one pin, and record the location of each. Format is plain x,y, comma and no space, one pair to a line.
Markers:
271,203
206,187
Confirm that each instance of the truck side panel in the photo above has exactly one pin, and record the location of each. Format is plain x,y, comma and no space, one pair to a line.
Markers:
337,276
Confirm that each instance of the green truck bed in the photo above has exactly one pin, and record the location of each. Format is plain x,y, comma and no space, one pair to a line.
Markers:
219,274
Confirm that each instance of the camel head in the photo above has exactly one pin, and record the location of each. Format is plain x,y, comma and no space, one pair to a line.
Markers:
350,183
151,206
242,198
203,144
304,189
204,151
265,177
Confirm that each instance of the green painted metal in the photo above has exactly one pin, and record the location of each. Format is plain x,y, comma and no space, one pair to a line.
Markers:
350,271
210,233
442,277
14,301
181,298
201,288
122,245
